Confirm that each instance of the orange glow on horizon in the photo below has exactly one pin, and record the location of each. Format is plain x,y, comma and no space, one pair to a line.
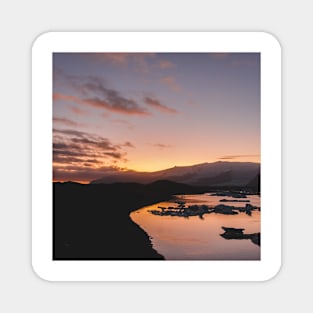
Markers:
153,167
140,167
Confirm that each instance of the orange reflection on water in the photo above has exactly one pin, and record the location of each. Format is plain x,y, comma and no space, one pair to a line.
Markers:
192,238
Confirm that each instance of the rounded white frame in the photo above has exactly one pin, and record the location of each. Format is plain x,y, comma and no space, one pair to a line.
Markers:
261,42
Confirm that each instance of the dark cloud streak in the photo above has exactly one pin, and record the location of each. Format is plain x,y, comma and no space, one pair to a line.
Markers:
84,173
65,121
83,153
231,157
155,103
95,93
161,145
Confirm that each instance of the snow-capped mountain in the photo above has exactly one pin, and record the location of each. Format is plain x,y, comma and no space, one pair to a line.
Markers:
204,174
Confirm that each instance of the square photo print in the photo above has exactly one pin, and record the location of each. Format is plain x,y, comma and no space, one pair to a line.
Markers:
164,157
156,156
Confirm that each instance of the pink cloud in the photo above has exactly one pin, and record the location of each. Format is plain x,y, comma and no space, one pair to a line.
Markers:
78,111
131,109
116,103
219,55
115,58
166,64
66,121
59,96
121,58
171,83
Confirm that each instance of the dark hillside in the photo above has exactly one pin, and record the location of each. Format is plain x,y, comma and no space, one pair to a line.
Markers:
92,221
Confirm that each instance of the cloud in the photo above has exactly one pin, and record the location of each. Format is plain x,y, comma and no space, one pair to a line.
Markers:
65,121
140,61
128,144
157,105
219,55
162,146
115,155
171,83
115,58
231,157
85,173
102,143
67,159
94,93
77,148
121,58
70,132
58,96
165,64
92,161
120,105
78,111
84,140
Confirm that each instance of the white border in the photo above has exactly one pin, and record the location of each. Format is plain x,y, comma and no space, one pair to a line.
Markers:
270,50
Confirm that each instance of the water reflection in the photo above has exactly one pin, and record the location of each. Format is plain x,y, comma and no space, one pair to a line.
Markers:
194,238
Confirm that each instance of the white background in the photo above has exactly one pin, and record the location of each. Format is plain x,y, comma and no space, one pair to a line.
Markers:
21,22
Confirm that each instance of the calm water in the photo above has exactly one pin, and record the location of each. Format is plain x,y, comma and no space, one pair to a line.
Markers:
192,238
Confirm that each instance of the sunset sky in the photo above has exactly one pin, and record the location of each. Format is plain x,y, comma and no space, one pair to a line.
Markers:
151,111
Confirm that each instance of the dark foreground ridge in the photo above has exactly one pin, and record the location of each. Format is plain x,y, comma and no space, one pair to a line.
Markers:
91,222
